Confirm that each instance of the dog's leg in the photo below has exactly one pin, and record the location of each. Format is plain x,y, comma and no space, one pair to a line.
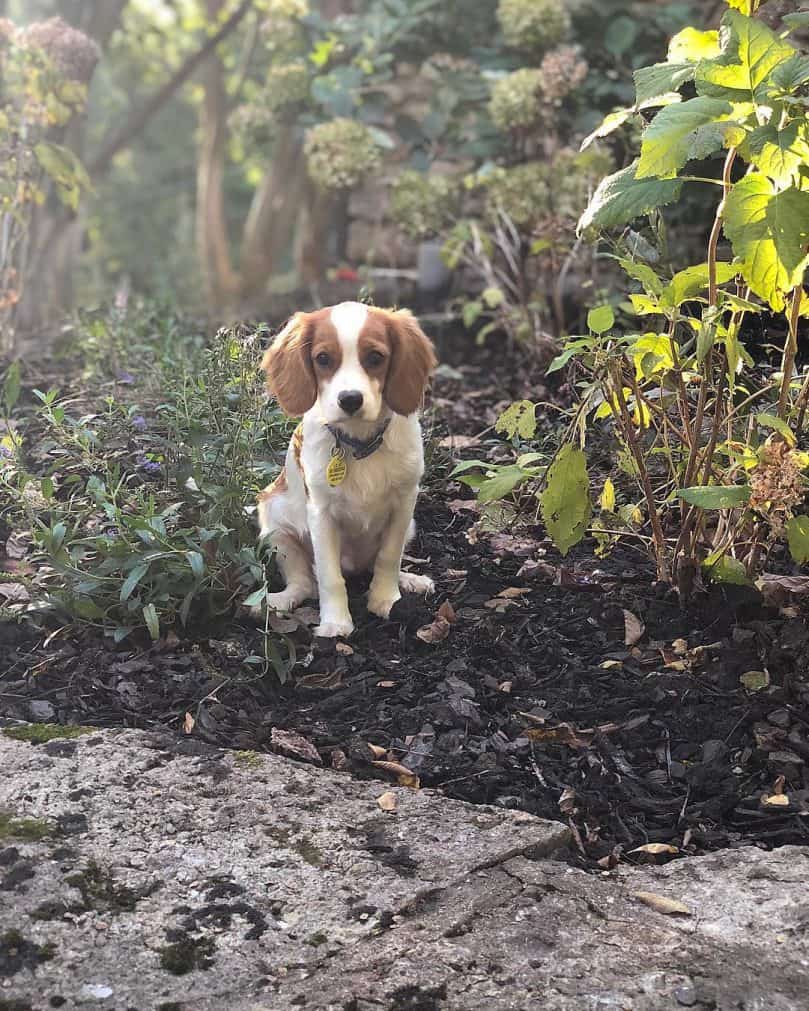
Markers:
384,591
410,582
296,568
335,618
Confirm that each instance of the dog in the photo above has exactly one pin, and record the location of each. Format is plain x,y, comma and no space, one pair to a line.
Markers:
343,502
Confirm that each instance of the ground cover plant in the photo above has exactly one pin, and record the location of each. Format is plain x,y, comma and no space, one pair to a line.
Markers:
133,490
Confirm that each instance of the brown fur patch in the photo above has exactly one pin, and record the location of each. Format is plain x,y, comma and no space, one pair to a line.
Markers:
297,449
278,487
412,360
374,338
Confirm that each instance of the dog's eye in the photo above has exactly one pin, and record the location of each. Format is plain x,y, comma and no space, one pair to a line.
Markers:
323,360
374,359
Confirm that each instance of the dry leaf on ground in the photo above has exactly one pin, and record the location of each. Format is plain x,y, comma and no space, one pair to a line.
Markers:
663,904
188,723
459,441
290,743
436,631
387,801
447,611
404,776
655,848
633,628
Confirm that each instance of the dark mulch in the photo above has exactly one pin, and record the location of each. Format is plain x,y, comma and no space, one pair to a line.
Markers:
535,703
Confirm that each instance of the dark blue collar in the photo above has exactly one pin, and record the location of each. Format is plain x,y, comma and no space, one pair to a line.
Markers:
360,448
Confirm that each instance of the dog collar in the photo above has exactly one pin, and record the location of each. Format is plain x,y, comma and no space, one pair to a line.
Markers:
360,448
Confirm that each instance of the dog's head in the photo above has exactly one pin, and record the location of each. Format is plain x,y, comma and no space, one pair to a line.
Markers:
351,360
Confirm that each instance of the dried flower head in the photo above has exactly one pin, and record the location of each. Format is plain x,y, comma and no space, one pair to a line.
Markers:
533,25
72,52
287,86
562,71
515,103
422,206
777,484
340,154
281,26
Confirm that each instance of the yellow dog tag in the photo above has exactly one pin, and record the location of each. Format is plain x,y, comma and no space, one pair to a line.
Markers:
337,469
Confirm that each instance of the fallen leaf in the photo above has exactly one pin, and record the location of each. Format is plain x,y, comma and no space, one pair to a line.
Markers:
505,686
188,723
404,776
456,573
378,752
775,800
577,580
447,611
290,743
609,664
435,632
514,592
655,848
663,904
385,684
500,604
458,505
611,860
680,647
387,801
755,680
459,441
14,593
633,628
533,568
785,757
344,648
339,760
567,802
777,588
779,784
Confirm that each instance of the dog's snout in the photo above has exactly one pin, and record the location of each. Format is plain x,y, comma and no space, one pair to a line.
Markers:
350,401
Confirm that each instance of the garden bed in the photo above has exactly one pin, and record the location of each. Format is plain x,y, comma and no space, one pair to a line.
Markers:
576,689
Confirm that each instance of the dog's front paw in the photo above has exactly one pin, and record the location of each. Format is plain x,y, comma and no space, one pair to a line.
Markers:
335,629
285,601
381,600
410,582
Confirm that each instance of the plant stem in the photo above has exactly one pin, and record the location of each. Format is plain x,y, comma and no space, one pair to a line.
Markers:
790,351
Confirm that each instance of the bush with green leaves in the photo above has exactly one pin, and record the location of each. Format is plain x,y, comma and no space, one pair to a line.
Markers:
44,71
423,206
709,467
137,495
533,26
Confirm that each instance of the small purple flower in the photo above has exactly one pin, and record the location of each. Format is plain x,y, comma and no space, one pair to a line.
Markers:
138,422
5,452
126,378
146,465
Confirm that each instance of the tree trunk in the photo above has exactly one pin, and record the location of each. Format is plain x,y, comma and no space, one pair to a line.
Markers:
273,213
212,234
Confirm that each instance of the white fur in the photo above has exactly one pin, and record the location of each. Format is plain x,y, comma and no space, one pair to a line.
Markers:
361,524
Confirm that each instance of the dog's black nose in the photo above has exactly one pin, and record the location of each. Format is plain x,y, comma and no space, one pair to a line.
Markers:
350,401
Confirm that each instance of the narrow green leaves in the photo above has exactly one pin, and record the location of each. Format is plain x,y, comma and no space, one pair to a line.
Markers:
621,197
680,132
565,502
769,232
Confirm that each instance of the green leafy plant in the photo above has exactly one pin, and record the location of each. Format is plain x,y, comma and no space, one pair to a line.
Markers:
709,440
138,502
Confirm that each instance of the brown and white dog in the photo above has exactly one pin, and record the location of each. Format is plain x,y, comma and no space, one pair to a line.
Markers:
344,501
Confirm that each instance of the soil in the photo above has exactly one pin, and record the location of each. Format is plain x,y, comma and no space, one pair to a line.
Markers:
576,689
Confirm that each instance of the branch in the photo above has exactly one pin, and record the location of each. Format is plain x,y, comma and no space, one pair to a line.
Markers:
138,120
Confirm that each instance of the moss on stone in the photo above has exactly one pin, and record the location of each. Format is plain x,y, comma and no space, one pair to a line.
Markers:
40,733
248,759
27,829
99,890
186,954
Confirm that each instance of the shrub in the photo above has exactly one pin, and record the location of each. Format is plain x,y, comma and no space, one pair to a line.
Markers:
423,205
708,469
137,501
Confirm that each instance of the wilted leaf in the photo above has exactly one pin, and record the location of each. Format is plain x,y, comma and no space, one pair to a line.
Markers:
663,904
387,802
447,611
436,631
775,800
567,802
655,848
774,587
404,776
290,743
343,648
377,751
514,591
755,680
633,628
456,442
188,724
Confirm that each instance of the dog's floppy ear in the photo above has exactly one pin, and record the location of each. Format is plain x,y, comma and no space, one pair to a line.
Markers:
288,366
412,361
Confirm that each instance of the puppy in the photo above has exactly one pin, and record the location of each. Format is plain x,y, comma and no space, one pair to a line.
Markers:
343,502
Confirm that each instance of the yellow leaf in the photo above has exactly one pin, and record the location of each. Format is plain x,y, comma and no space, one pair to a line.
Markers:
663,904
607,500
655,848
387,802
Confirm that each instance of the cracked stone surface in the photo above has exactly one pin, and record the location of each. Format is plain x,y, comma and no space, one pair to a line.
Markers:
138,872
